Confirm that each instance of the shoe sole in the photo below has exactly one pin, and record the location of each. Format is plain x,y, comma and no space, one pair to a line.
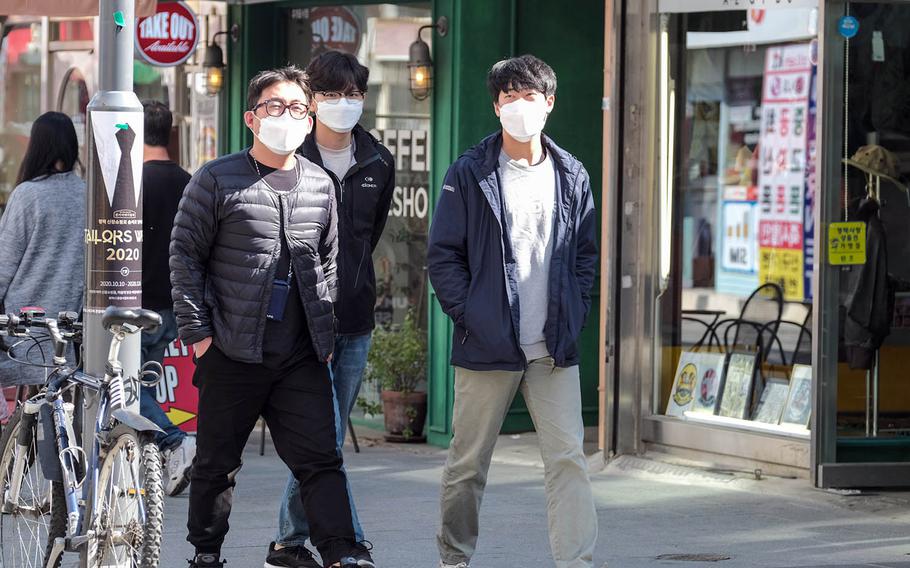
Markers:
182,485
270,565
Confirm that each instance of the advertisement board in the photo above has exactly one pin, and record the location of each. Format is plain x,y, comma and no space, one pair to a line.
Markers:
783,167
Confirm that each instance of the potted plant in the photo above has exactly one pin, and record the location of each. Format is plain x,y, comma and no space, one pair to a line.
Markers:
398,363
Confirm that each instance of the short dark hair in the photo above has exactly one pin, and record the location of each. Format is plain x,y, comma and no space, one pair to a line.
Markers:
265,79
337,71
523,72
52,141
158,122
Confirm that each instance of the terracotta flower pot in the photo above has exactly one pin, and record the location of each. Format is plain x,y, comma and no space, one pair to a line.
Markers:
405,415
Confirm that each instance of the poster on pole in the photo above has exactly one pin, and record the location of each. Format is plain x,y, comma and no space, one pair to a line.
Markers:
783,150
113,234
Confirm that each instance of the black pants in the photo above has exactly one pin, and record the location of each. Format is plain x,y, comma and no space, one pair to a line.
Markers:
299,406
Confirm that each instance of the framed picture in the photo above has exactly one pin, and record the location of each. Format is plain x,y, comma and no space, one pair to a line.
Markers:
798,409
773,399
707,389
696,369
737,391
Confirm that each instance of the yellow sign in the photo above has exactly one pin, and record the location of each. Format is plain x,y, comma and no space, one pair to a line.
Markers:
847,243
784,267
178,416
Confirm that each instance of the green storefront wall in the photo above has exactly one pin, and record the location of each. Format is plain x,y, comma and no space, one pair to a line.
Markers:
569,36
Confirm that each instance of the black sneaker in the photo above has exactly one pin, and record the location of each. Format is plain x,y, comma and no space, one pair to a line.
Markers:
290,557
359,557
206,560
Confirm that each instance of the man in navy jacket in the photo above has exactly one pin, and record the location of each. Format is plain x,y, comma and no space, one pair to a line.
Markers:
512,257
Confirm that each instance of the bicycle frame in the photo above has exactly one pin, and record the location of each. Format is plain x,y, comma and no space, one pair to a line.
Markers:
112,397
112,410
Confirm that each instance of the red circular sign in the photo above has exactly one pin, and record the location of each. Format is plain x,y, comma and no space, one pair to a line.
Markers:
169,37
335,27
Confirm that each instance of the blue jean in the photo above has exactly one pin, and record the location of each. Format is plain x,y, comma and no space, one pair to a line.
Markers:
348,364
153,346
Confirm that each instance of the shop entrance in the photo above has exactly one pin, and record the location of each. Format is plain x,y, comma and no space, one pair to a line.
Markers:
866,433
754,328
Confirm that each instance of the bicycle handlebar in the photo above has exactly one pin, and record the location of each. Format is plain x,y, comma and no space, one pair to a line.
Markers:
29,318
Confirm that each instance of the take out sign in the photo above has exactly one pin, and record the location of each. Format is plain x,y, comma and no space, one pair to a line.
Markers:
169,37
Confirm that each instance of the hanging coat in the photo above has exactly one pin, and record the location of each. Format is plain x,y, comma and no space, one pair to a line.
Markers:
870,298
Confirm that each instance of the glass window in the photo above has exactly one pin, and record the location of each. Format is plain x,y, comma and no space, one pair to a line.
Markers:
380,35
72,30
20,99
736,191
151,82
74,99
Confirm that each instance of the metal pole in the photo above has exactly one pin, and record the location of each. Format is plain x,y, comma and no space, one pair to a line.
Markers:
113,236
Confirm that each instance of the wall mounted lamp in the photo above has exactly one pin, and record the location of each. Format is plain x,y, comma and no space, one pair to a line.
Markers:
213,63
420,63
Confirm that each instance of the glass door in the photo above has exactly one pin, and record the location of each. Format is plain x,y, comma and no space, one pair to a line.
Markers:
868,248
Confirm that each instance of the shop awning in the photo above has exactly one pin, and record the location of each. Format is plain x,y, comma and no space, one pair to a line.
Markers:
71,8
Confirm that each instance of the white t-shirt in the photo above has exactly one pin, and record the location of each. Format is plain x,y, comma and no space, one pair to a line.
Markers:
529,196
339,162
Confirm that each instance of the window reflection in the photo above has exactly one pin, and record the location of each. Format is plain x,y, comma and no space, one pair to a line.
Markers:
20,102
379,35
74,99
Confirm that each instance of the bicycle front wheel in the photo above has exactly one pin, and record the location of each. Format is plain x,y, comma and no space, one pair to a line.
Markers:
130,473
26,498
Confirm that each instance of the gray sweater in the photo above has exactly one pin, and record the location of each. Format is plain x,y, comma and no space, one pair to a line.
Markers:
529,196
42,251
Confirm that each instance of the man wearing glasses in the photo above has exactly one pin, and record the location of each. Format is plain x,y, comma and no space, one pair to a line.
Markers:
254,275
363,171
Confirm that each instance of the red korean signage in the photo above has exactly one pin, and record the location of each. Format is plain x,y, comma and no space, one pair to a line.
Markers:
169,37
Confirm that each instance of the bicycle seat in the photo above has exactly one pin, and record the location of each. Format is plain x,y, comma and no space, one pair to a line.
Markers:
147,320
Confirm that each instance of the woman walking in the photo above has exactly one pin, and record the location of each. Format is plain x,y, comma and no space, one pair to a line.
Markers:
42,237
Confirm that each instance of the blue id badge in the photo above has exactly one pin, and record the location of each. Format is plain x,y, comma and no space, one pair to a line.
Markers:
279,299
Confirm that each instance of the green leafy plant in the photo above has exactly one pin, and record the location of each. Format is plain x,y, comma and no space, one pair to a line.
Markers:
397,361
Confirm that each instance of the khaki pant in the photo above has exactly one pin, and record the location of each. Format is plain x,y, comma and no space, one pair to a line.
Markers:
482,399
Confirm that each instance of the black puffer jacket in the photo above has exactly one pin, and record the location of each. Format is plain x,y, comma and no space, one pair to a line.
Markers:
364,197
224,251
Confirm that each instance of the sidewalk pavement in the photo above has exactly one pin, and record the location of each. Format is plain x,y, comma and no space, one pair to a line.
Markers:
651,513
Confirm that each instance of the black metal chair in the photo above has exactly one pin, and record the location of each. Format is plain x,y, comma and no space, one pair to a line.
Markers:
801,351
763,309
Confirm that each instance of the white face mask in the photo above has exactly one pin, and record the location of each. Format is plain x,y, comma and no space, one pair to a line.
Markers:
283,134
342,116
524,119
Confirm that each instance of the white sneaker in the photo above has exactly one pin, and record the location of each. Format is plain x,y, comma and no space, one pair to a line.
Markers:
459,565
177,465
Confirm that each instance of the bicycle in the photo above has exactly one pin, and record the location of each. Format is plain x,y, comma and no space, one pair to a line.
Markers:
56,498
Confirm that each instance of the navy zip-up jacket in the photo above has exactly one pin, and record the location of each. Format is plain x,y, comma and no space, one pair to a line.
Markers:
472,268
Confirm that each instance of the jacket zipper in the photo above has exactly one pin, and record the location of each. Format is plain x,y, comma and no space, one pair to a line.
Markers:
465,338
360,265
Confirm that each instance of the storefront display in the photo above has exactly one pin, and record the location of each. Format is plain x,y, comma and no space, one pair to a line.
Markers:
781,196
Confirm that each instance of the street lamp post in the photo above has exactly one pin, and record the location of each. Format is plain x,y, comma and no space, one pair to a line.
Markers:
113,230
